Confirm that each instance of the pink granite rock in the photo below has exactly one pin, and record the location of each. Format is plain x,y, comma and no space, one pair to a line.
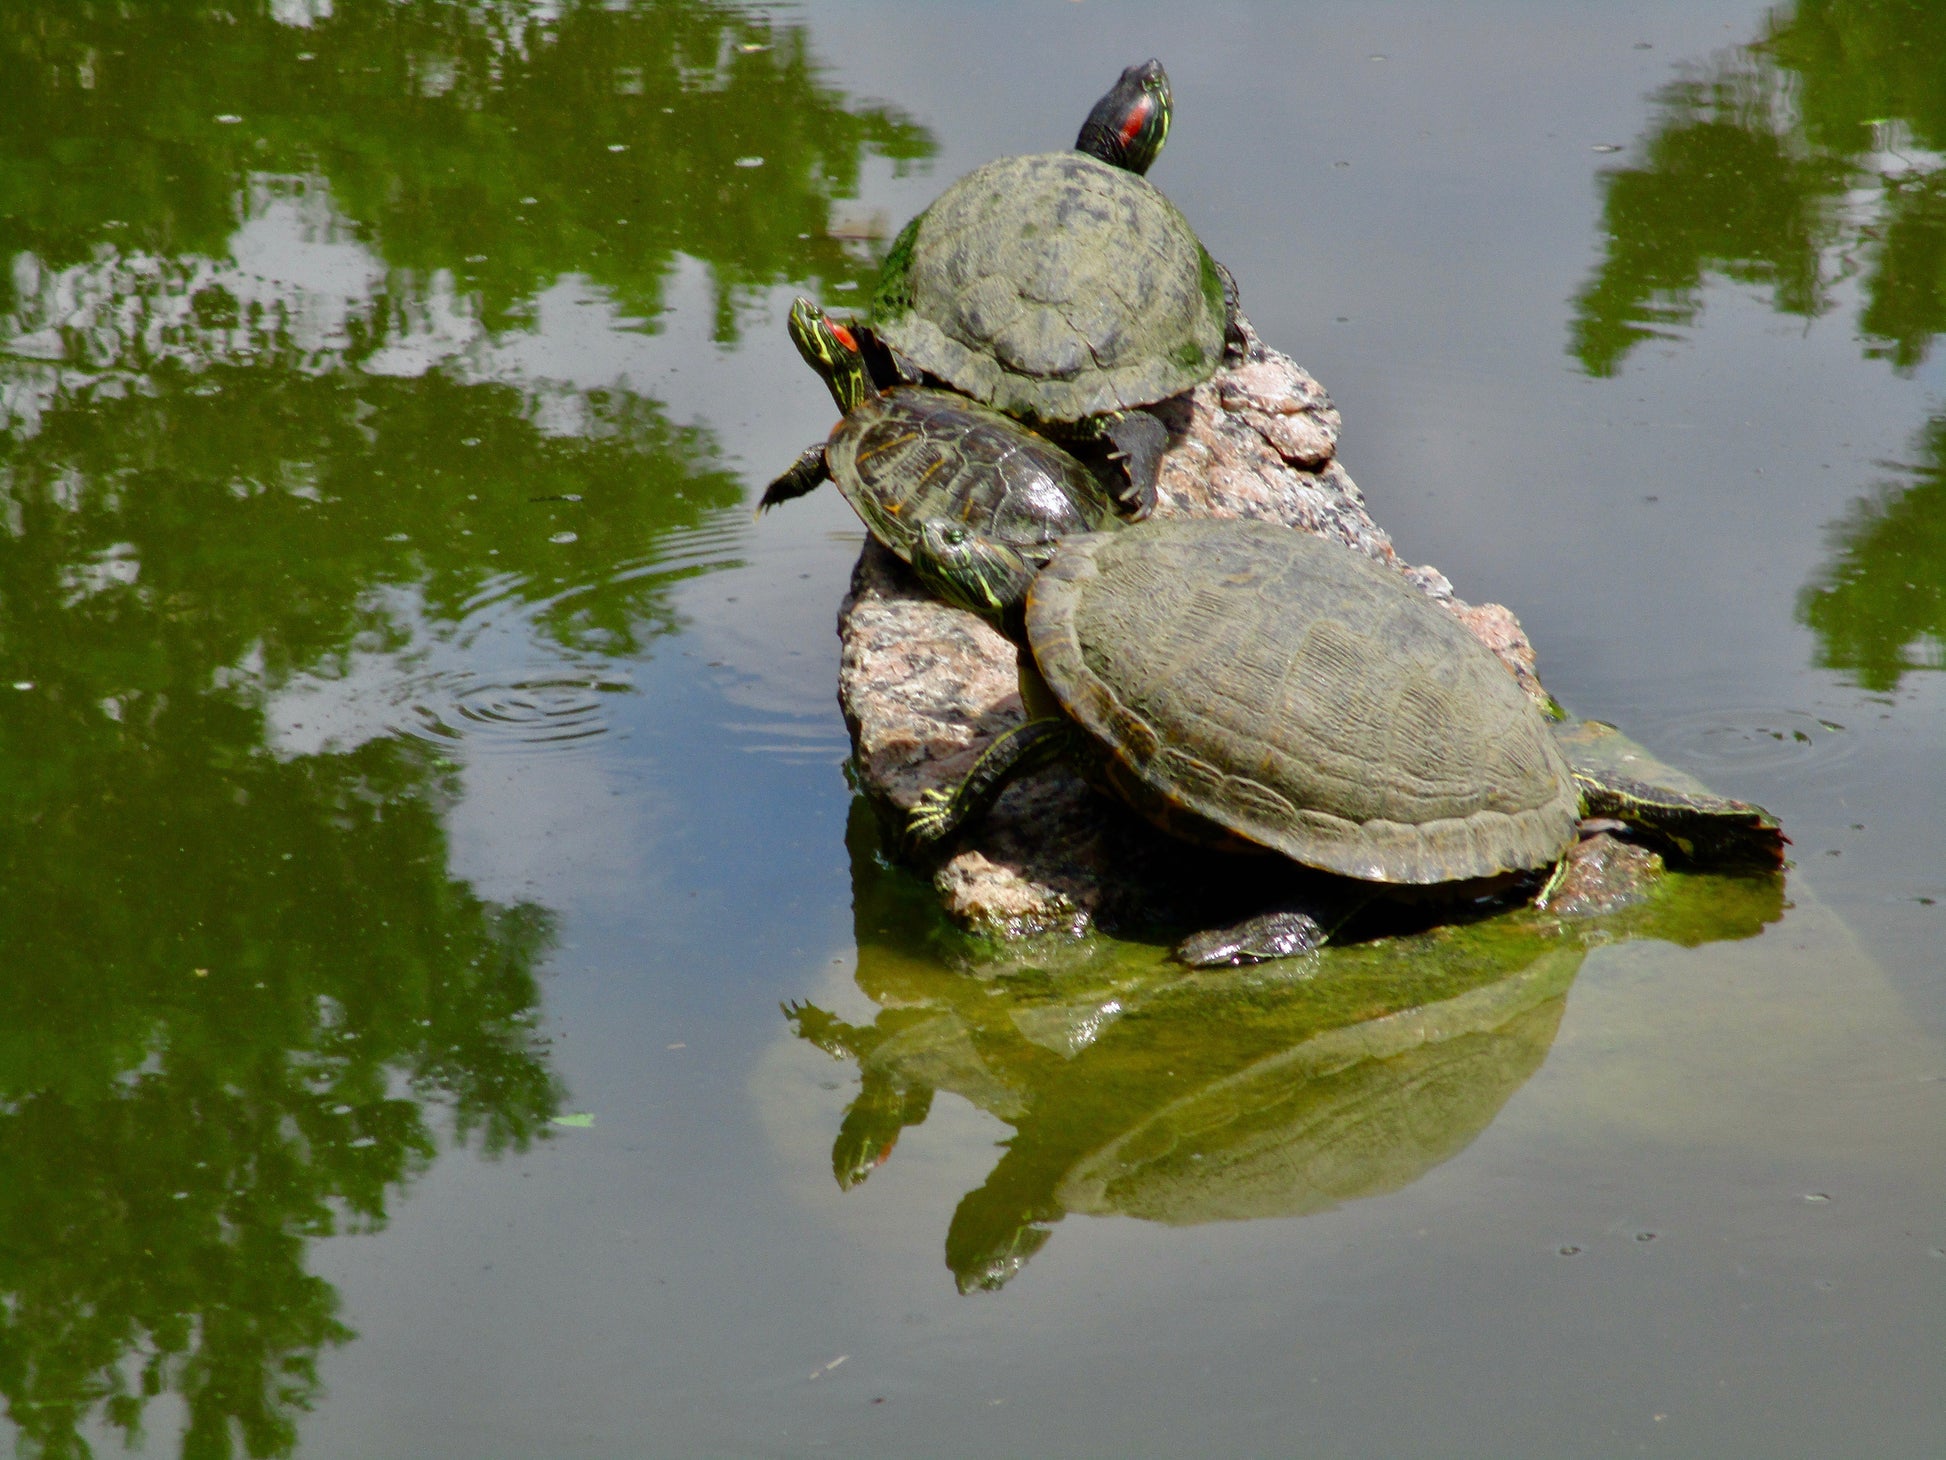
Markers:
925,687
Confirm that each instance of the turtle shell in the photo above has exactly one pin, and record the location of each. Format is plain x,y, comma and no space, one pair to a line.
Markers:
1283,689
914,453
1056,287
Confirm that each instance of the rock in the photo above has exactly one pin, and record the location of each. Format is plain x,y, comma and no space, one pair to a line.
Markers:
926,687
1604,874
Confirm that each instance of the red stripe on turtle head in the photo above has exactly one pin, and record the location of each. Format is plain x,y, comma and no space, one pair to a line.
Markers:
845,336
1138,116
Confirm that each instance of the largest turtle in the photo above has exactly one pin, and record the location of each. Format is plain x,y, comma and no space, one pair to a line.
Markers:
1248,686
1062,287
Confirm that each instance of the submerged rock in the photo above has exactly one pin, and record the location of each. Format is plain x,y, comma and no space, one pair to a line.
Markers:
926,687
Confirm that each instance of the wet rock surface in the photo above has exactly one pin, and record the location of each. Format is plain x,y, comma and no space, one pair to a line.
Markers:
926,687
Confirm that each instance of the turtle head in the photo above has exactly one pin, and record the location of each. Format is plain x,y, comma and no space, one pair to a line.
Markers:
976,573
1129,125
832,350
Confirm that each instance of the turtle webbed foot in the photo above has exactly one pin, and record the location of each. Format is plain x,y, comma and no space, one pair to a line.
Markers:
1302,920
1696,826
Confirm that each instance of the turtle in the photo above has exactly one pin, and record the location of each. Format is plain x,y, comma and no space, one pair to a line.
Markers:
1248,686
1063,288
913,452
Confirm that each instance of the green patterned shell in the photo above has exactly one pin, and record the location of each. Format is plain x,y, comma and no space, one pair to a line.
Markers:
1054,287
914,453
1291,692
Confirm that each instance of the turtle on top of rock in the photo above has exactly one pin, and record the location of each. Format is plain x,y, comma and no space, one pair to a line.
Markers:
1062,289
1246,686
912,452
1317,697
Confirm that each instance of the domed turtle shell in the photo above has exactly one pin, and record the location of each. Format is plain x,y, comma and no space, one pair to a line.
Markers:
1054,287
1251,679
914,453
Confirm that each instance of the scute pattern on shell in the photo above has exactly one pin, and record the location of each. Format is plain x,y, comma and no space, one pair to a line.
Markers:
1057,287
1303,698
910,454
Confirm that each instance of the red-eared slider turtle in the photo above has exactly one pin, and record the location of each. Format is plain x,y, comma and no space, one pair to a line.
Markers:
912,452
1061,287
1246,685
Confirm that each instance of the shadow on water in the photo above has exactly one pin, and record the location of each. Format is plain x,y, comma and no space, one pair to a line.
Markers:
1810,160
281,547
1136,1088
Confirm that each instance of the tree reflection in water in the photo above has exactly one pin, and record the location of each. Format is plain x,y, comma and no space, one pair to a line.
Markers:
1878,606
217,1058
497,143
1814,156
243,992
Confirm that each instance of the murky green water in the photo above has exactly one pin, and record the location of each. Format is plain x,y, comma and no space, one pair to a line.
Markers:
450,1002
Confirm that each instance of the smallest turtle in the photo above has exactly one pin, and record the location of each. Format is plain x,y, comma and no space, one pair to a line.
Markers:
910,453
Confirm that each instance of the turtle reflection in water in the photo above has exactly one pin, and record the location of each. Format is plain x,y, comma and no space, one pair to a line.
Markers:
1247,686
1135,1090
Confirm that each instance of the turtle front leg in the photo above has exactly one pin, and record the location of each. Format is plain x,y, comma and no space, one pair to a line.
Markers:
1137,440
1022,749
1124,451
1236,338
806,474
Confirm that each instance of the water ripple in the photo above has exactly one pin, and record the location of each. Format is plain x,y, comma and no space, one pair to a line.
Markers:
523,664
1734,740
518,711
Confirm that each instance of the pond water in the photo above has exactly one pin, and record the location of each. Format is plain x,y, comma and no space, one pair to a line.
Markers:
453,1003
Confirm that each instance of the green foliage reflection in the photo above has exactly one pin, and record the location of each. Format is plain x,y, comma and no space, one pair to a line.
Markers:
1809,157
1761,168
1879,606
241,991
239,981
507,143
210,1061
1136,1088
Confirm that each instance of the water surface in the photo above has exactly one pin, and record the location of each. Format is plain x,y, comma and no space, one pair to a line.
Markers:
453,1003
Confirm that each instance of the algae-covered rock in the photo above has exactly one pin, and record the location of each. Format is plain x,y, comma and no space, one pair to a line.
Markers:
1134,1088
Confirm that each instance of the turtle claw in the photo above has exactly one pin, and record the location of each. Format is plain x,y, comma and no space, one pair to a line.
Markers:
1136,443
